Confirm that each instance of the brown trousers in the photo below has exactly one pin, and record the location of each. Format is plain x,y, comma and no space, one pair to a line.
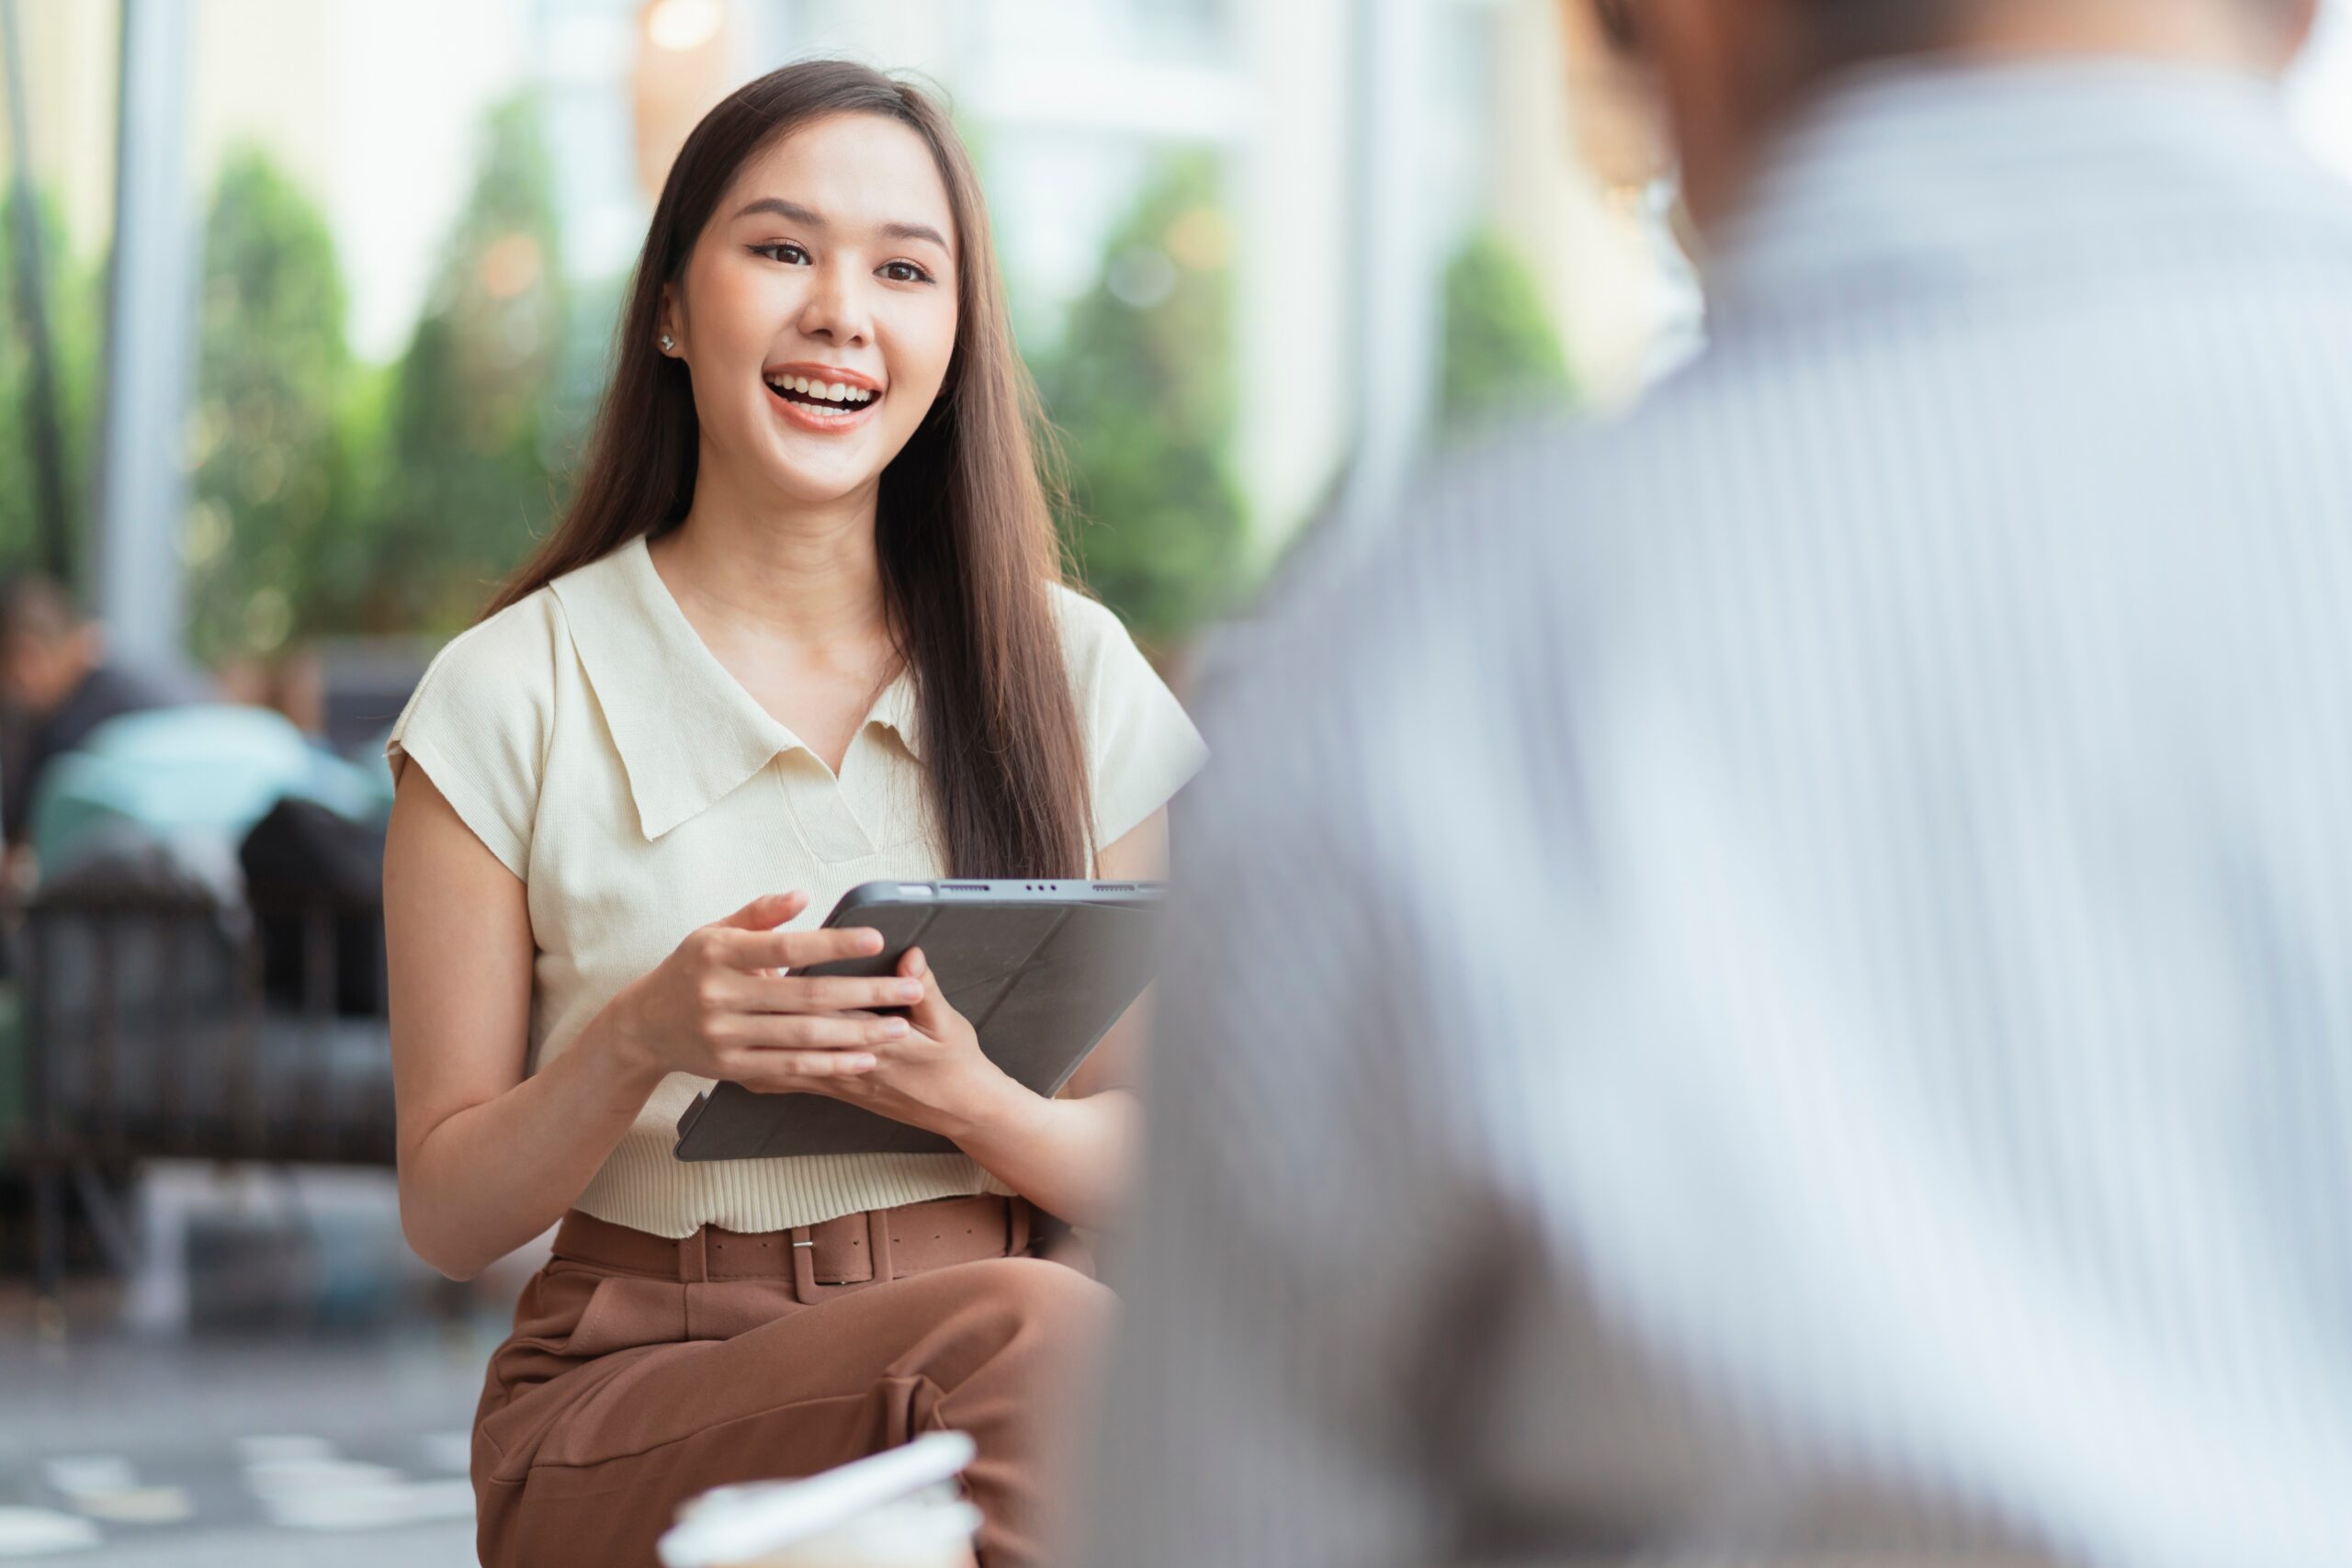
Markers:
643,1371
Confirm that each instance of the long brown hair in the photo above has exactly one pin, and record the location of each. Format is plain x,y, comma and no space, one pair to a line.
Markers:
965,537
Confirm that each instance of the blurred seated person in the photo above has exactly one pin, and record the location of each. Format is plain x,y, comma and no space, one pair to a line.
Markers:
207,770
59,684
292,682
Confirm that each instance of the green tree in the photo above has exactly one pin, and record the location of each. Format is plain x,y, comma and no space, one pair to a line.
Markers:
75,309
1142,388
271,489
1502,355
475,441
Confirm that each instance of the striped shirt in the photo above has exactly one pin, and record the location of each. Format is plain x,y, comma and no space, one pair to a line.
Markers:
1772,977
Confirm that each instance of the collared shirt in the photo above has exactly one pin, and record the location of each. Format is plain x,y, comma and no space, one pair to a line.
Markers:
1772,977
598,749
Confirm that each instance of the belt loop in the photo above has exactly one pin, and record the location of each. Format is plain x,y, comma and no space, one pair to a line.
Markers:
878,1244
1016,1221
694,1256
804,1265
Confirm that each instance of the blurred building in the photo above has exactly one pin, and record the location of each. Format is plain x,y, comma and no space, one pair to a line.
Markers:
1358,145
376,110
1069,107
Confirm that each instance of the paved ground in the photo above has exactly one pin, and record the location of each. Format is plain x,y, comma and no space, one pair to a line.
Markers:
281,1385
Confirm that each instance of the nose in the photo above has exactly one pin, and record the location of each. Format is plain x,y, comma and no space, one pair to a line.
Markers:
836,309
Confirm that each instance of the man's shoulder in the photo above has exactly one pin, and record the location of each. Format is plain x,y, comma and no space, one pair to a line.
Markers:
1385,629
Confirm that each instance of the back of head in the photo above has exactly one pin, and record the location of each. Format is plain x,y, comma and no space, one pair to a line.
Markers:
1841,32
1732,73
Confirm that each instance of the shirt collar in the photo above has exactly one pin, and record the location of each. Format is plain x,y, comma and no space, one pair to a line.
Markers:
687,732
897,711
1927,178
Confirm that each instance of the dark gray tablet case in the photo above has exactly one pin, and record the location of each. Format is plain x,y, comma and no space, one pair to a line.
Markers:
1043,969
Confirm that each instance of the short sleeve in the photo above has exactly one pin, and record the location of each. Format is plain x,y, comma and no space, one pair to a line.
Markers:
479,723
1141,746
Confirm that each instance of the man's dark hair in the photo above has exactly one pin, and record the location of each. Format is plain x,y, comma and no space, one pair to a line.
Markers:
1848,30
1845,32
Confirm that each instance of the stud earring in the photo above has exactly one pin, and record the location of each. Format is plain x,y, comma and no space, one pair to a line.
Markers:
668,342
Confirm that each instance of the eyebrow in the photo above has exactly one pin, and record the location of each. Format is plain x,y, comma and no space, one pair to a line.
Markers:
792,211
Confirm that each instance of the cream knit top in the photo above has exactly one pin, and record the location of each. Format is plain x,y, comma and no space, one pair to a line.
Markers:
607,759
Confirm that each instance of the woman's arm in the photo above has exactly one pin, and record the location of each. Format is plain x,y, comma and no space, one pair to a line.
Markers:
490,1159
1073,1157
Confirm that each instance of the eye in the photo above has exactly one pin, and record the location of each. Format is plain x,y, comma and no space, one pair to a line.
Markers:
904,272
783,251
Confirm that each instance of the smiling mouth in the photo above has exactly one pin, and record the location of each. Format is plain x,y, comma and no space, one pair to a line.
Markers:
835,400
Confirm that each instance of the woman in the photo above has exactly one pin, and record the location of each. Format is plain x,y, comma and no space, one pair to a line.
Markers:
801,630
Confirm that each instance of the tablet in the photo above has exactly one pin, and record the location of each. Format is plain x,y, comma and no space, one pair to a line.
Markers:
1043,969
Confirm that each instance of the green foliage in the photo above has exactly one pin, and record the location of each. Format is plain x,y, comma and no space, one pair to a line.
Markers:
331,496
75,310
271,489
475,441
1142,388
1502,355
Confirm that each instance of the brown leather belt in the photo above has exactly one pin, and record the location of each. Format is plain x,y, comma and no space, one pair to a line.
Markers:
833,1258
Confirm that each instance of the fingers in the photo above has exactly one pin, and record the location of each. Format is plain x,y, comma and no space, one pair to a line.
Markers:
758,950
929,1011
811,1032
824,993
784,1072
767,911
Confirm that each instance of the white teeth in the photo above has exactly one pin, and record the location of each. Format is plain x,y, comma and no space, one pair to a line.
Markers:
833,391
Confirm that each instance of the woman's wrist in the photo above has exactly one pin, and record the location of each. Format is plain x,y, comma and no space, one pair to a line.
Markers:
623,1050
995,1107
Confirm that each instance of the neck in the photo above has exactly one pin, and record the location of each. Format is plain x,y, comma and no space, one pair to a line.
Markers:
808,574
2231,35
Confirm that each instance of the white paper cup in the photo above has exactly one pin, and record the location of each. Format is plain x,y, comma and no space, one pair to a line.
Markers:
898,1509
911,1534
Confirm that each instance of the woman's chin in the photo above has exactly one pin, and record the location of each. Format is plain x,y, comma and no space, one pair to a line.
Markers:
809,471
820,483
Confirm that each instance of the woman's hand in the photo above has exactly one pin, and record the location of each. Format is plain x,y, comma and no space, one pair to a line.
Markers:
933,1076
717,1006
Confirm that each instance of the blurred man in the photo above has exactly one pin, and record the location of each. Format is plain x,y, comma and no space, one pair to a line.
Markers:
55,673
1773,980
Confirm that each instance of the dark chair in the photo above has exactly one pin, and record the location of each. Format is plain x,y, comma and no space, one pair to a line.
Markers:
148,1035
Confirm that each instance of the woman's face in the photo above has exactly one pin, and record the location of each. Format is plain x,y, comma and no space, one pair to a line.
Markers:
817,312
